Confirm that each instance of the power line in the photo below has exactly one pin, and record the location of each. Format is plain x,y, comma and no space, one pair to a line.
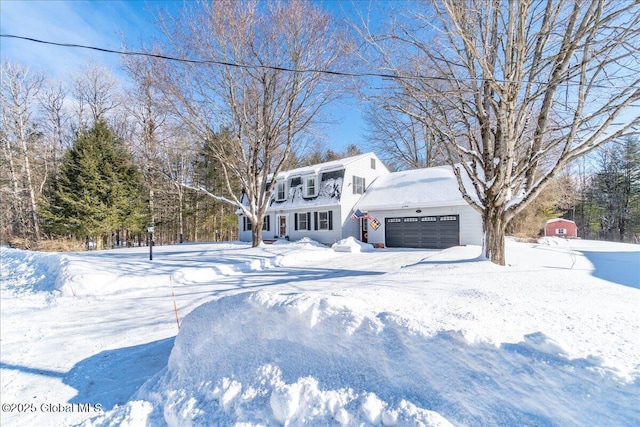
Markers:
276,68
214,62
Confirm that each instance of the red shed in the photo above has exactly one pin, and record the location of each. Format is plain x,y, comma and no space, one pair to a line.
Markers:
561,228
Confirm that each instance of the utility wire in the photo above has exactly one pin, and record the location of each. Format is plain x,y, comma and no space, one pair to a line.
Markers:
214,62
269,67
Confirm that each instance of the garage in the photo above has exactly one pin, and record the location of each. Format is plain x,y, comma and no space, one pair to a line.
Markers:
430,232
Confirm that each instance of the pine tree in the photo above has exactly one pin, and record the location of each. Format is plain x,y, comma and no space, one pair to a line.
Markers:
611,202
98,190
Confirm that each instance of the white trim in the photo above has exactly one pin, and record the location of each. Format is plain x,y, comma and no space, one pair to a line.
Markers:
283,185
305,185
326,220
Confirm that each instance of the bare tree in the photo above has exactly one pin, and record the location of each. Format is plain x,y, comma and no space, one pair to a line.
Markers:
245,88
95,91
19,94
517,90
400,139
55,123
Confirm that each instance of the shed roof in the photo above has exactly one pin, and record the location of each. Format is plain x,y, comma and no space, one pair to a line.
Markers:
557,220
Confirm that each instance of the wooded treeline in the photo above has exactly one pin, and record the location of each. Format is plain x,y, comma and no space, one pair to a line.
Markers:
93,163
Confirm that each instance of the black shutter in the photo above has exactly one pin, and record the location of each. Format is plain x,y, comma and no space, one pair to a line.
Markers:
244,223
295,221
330,220
308,220
268,223
315,220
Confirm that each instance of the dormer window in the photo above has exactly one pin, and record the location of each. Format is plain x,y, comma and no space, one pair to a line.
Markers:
281,191
310,189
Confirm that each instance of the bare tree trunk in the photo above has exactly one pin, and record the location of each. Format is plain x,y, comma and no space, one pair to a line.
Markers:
256,234
196,218
32,194
180,215
19,98
494,226
17,209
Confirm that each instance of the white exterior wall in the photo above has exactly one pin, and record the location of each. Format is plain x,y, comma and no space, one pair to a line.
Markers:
243,236
470,222
326,237
361,168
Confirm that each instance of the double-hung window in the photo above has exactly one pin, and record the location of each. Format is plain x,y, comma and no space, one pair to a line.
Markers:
302,221
310,188
281,188
358,185
323,220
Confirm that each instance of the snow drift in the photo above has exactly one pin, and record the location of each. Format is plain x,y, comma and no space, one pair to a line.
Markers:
32,272
298,359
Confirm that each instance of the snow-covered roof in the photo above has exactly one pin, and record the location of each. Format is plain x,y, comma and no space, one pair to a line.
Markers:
558,219
430,187
322,167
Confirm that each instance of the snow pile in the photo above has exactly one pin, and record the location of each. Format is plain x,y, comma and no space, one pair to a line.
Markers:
32,272
351,244
307,242
364,357
263,358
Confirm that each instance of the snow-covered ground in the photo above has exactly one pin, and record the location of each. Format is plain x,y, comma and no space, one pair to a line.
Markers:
299,334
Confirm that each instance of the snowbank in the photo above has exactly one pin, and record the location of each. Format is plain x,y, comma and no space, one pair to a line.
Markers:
351,244
339,358
263,358
32,272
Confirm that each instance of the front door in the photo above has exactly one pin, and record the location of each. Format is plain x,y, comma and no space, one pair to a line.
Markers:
364,230
282,226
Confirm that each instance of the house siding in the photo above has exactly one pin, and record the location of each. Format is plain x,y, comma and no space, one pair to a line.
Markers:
361,168
326,237
470,222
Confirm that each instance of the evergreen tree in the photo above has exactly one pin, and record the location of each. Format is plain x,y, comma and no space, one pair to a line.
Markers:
98,190
611,204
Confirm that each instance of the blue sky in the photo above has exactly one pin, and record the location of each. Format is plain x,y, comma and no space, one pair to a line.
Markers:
109,24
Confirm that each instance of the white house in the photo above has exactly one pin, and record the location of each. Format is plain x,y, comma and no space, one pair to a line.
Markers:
358,197
317,201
